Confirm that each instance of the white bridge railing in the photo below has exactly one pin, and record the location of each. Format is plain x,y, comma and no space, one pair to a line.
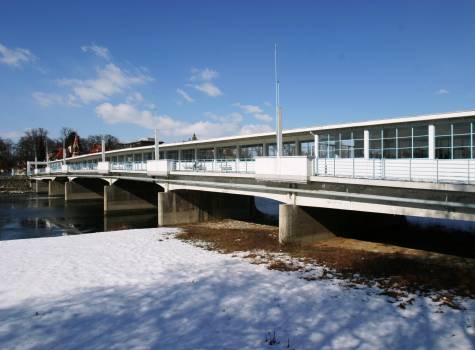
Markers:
427,170
246,166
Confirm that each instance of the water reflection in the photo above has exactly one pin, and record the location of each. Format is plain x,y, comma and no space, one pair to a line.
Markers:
31,216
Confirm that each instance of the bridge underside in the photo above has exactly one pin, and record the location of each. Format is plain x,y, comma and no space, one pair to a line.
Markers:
186,207
126,195
303,214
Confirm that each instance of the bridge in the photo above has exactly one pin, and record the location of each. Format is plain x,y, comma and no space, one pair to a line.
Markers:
326,177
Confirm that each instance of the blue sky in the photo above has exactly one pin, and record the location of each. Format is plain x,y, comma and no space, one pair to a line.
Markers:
207,66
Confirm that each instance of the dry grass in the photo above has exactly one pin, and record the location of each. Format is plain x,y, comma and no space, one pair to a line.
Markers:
397,270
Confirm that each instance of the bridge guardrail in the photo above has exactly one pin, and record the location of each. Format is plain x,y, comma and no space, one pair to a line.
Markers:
425,170
246,166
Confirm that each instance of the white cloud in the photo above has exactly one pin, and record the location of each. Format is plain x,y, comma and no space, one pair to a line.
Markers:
15,57
255,111
215,126
185,96
442,92
135,97
97,50
263,117
205,74
209,89
202,79
255,129
110,80
47,99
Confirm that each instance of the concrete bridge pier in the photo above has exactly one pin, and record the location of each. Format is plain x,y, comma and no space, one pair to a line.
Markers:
84,188
125,195
40,186
188,207
56,187
297,223
304,224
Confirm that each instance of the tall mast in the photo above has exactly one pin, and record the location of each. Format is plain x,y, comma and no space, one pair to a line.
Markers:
278,110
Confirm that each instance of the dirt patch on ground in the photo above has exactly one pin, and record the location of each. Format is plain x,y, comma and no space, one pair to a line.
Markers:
397,270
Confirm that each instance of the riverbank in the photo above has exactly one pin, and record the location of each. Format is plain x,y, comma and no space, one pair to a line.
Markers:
147,289
396,270
15,184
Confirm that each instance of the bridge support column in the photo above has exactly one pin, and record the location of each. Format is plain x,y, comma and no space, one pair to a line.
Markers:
82,191
40,187
133,196
55,188
298,224
188,207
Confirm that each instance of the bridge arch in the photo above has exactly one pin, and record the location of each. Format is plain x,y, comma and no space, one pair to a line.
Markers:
131,194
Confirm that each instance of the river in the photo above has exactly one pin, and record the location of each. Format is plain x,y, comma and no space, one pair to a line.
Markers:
32,216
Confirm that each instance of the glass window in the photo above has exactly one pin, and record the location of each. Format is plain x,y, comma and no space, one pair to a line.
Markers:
461,140
288,149
271,149
389,153
404,132
251,151
345,143
421,130
442,129
421,152
421,141
206,154
187,154
405,152
138,157
173,155
227,152
307,148
461,128
461,152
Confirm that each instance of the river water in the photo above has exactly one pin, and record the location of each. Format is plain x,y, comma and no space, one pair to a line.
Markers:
31,216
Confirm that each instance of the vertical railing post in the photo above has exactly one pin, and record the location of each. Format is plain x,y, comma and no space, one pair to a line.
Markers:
353,167
410,169
468,171
437,170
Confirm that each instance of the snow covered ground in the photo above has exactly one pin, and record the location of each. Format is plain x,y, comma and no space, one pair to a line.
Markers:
143,289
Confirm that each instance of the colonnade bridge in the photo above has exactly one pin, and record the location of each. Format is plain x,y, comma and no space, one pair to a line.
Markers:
418,166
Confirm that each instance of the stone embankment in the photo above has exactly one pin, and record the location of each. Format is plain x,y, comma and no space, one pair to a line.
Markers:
14,184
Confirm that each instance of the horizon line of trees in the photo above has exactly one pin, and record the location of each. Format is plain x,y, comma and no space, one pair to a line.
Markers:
37,142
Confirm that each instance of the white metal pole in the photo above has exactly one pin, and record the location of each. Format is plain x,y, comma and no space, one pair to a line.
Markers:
278,110
103,149
366,143
431,141
64,151
157,146
36,158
